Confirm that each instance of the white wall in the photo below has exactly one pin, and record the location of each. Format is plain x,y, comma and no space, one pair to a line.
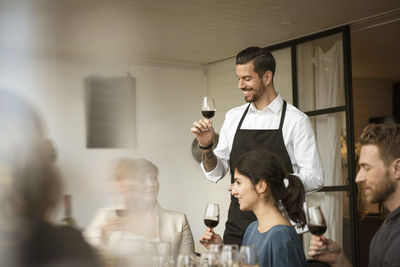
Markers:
168,101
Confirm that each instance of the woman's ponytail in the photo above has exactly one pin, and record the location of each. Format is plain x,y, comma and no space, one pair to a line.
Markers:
293,197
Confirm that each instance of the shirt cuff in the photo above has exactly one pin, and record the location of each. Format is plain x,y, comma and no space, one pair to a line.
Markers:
312,180
214,175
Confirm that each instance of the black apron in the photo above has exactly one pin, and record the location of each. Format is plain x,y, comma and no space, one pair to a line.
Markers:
245,141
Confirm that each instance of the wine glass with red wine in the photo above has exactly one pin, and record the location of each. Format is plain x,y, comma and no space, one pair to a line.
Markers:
316,222
208,107
211,215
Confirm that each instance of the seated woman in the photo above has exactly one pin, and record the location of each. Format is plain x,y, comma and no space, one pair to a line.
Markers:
260,187
30,189
140,218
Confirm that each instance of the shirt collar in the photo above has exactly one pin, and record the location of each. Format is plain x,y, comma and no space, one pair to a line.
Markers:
394,214
275,106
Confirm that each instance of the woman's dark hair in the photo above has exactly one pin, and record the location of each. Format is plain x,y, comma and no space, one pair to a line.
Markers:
263,165
263,59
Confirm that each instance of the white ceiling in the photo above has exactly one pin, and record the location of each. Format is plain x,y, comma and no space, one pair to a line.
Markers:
190,32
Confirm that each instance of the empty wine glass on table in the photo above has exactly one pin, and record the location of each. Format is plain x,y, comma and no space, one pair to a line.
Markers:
248,256
215,248
215,251
230,255
316,222
209,259
186,260
208,107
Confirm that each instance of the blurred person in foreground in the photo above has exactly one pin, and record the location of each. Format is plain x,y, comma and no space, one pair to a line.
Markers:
30,190
379,176
140,218
263,186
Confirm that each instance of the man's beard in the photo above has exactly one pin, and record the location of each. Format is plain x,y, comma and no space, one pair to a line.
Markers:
257,94
383,190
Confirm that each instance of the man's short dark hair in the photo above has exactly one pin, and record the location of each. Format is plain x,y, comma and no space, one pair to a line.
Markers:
262,58
386,137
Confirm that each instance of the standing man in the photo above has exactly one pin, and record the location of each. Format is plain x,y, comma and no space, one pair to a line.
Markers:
379,176
267,122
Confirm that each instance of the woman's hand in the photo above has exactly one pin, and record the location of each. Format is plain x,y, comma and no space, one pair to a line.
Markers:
209,237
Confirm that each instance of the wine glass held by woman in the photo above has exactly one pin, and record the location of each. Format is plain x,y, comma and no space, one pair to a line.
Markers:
209,237
211,215
211,220
259,187
140,216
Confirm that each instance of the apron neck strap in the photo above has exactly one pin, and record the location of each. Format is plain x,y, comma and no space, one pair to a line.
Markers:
243,116
283,115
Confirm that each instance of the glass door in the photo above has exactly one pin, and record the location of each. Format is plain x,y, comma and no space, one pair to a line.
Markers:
321,88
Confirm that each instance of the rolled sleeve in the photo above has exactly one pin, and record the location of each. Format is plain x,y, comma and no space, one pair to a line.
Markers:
219,171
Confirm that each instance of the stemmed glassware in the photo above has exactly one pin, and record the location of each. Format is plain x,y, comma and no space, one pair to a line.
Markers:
186,260
248,256
211,215
230,255
214,256
316,222
215,248
209,259
208,107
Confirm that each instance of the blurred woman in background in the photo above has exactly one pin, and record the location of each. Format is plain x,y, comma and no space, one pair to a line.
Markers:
30,190
139,218
260,187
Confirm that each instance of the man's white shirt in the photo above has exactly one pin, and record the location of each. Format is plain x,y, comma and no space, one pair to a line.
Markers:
298,136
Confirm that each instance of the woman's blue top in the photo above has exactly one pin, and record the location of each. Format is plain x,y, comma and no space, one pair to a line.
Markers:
279,246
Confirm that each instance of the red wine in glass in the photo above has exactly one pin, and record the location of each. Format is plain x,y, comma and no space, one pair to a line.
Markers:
316,220
316,223
211,223
317,229
211,215
208,113
208,107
